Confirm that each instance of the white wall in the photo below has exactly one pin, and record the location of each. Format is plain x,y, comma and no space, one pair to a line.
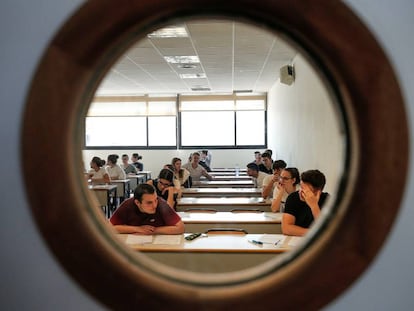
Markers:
31,278
304,128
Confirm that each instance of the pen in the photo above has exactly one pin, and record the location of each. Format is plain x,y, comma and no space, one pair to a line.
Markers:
259,242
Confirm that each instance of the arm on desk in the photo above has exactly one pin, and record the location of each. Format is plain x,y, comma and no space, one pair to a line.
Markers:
178,228
289,227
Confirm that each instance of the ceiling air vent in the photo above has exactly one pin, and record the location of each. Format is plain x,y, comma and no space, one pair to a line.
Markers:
198,89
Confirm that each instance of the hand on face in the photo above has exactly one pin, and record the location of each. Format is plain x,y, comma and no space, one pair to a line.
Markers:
310,196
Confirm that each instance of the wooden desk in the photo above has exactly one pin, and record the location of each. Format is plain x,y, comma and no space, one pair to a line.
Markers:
147,175
106,195
264,222
229,177
123,188
224,184
224,204
227,170
213,253
221,192
136,179
230,173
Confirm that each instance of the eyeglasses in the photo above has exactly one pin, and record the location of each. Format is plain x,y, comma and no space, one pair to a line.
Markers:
164,184
285,178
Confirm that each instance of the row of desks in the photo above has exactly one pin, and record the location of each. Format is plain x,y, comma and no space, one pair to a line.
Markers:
212,253
231,204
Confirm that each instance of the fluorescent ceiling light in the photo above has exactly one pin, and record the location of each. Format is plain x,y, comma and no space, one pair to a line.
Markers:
182,59
169,32
192,75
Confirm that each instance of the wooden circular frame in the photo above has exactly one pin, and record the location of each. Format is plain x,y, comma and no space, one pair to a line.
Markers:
62,88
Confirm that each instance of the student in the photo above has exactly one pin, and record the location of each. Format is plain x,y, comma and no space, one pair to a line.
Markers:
97,173
126,166
181,174
146,213
205,157
271,180
195,169
266,165
304,206
288,183
164,185
135,161
257,157
258,176
114,170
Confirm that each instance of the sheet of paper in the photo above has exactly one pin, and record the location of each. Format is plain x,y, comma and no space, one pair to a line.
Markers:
295,240
273,238
138,239
168,239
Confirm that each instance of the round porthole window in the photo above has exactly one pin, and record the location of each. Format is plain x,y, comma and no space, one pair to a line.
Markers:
368,96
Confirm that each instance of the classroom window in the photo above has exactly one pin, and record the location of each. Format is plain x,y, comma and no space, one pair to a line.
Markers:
235,122
170,122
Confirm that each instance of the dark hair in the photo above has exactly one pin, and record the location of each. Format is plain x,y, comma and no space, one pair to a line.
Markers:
266,155
315,178
169,166
204,151
98,161
142,189
125,155
166,174
136,155
113,158
279,164
294,173
181,172
253,166
269,151
257,152
195,153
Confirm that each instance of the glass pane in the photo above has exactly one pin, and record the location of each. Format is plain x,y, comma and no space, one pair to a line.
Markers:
162,108
115,131
207,105
162,131
117,109
207,128
250,104
250,128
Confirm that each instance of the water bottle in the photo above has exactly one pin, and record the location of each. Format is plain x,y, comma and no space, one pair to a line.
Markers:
237,170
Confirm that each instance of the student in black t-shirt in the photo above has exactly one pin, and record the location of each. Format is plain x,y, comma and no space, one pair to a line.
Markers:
304,206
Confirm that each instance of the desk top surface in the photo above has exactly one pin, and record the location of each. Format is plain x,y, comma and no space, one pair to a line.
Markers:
222,191
219,243
102,187
223,201
231,217
223,182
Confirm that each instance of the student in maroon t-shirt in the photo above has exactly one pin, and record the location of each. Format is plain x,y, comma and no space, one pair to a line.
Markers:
146,213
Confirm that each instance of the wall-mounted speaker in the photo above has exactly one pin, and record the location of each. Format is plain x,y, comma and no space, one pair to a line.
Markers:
287,74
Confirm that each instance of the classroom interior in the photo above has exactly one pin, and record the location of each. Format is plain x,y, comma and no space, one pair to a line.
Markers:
304,125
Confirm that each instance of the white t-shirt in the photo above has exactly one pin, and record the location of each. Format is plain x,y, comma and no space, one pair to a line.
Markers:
284,197
260,178
97,174
195,173
116,172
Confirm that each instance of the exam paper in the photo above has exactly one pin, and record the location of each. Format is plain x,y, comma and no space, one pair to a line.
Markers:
168,239
138,239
